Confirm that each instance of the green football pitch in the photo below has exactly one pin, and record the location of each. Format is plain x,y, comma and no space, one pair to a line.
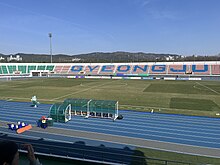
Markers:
181,97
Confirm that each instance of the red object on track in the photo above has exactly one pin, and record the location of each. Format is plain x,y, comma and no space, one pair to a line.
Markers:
23,129
43,118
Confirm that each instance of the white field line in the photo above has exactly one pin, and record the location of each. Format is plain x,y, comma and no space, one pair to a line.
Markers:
21,98
80,91
196,87
149,108
134,107
208,88
131,106
146,87
127,106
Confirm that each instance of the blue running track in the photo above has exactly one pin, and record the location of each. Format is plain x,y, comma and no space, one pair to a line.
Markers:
175,129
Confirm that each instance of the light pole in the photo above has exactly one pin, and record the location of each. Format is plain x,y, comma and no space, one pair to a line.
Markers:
50,36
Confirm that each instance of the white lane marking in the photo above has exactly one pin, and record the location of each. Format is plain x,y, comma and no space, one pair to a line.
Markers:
10,98
208,88
161,118
134,123
147,134
121,136
124,125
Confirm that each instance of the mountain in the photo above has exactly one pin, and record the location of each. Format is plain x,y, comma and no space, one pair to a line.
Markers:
125,57
93,57
100,57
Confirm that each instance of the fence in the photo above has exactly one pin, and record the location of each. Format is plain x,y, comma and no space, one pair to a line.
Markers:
98,154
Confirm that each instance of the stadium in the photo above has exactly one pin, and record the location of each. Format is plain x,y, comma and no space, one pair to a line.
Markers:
117,82
206,70
167,107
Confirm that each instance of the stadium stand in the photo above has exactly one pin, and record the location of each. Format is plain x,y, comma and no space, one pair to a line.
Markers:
107,70
124,69
22,68
11,68
140,69
76,69
41,67
211,68
215,69
50,67
201,69
92,69
158,69
4,69
65,69
31,68
177,69
58,68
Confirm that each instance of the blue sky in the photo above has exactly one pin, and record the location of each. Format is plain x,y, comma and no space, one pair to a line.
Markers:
184,27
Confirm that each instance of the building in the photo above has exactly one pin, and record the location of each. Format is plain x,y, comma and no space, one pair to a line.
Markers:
2,58
16,58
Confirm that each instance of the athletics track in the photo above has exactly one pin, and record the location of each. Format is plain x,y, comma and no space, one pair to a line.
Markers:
178,133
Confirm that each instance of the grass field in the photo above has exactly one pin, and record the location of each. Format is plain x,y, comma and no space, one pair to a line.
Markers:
181,97
179,157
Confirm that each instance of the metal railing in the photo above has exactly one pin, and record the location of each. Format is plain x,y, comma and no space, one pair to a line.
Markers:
100,154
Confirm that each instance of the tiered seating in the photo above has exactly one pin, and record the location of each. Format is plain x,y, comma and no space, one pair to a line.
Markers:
177,69
41,67
1,70
31,67
76,69
22,68
50,67
58,68
215,69
158,69
107,70
4,69
140,69
124,69
115,69
11,68
201,69
65,69
93,70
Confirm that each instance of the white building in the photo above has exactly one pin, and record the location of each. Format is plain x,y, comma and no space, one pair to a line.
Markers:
170,58
76,59
16,58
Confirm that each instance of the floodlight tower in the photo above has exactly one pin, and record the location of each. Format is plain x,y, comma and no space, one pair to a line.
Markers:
50,36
